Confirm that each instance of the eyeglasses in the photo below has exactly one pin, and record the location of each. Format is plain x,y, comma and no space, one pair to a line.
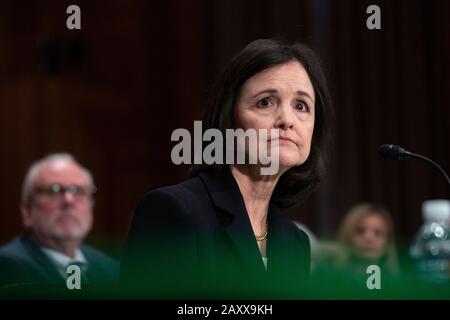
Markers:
57,191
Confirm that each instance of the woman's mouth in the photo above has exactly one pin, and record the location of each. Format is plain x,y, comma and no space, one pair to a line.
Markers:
286,140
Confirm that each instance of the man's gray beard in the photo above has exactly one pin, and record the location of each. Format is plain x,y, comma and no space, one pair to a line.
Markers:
78,237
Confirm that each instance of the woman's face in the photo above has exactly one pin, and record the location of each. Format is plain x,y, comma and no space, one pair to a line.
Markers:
281,97
369,237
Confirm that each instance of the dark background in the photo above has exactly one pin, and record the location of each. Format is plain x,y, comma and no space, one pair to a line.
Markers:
112,93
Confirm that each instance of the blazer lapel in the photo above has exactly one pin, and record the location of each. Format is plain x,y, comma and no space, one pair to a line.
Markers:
45,266
286,251
278,243
226,196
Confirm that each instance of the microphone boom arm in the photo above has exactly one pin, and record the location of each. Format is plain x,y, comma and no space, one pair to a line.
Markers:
415,155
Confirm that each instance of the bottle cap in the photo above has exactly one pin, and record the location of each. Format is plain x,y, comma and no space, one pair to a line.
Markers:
436,210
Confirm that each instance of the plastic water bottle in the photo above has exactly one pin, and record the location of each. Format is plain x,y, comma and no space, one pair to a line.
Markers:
430,250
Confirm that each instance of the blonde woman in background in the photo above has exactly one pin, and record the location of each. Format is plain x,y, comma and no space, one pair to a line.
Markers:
366,236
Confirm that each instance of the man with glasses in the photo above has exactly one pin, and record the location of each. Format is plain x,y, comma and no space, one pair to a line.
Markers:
56,207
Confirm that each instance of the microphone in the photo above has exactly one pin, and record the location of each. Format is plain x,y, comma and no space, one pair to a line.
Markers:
393,152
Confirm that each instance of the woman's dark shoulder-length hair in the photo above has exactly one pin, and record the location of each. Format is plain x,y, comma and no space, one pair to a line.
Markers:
298,182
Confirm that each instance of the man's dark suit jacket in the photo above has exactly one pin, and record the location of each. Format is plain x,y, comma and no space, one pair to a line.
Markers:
24,267
194,239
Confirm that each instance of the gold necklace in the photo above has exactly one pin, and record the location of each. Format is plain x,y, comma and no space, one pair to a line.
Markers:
264,235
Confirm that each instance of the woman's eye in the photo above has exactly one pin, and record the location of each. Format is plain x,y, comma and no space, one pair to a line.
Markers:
301,106
264,103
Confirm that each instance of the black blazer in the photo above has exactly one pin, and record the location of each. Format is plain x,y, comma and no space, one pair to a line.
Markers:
194,239
24,267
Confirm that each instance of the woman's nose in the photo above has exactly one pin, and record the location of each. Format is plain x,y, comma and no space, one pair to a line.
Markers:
369,236
284,118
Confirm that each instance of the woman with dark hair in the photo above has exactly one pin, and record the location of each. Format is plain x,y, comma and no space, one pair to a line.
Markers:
220,232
